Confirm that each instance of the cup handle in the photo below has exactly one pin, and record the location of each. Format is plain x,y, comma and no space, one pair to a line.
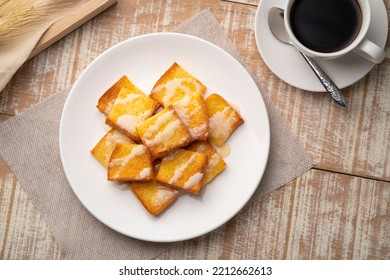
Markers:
370,51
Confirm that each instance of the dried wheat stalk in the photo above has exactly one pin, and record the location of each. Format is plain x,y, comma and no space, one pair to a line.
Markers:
18,17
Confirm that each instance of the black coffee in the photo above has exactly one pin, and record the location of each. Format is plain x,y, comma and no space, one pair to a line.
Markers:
325,25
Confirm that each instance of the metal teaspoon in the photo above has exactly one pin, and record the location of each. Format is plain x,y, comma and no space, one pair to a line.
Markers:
276,25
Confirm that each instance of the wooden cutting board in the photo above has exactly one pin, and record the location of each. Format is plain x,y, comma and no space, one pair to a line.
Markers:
67,24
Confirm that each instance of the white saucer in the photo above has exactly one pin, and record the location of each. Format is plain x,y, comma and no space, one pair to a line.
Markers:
286,62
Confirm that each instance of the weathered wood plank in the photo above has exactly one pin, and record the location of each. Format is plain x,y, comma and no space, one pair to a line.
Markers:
320,215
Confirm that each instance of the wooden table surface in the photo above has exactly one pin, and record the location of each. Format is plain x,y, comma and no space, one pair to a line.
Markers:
340,209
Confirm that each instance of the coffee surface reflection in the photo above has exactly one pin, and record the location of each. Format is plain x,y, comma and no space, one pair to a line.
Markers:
325,26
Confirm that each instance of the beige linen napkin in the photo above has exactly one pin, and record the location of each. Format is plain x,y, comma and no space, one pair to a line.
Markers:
29,145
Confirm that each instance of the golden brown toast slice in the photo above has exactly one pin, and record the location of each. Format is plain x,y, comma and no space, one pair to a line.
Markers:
103,149
153,196
215,163
130,107
130,162
223,119
183,169
163,132
106,101
174,84
192,111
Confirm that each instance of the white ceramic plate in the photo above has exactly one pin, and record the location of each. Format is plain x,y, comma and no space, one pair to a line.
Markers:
144,59
286,62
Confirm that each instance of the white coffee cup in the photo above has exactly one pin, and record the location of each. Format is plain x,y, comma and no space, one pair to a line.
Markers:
360,44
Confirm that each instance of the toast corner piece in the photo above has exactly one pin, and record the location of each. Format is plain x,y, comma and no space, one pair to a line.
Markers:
163,132
103,149
215,163
174,84
106,101
183,169
223,119
192,111
129,108
154,197
130,162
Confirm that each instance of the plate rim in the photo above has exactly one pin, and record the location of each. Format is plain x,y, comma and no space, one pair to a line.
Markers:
266,143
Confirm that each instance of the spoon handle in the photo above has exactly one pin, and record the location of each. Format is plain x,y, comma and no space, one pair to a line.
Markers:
328,84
